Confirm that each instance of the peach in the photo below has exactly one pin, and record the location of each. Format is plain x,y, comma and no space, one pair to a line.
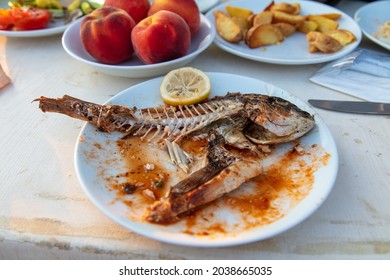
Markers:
137,9
187,9
161,37
106,35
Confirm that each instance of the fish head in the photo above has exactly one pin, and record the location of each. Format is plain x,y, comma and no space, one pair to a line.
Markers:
275,120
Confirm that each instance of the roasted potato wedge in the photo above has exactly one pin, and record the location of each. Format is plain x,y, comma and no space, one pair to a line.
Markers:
235,11
345,37
269,6
262,18
307,26
241,22
295,20
289,8
227,28
263,35
286,28
321,42
334,16
313,49
324,24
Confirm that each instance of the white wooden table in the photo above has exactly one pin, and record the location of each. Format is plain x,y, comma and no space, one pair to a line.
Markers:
44,213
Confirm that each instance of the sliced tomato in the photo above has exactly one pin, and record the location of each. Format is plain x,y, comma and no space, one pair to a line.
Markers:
6,20
30,19
24,19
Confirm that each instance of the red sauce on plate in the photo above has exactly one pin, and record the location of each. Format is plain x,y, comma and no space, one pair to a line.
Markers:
287,179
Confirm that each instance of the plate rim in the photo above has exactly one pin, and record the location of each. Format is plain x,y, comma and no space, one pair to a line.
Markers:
190,241
325,58
357,18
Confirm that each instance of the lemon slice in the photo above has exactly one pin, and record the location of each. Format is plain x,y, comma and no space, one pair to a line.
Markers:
185,86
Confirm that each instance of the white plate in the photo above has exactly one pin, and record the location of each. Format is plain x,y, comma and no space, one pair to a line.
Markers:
205,5
294,49
134,68
54,27
98,163
371,16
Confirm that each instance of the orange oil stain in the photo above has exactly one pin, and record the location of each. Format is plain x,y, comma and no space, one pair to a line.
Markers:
254,203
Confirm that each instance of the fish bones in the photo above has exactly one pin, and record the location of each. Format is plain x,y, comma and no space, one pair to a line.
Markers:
260,118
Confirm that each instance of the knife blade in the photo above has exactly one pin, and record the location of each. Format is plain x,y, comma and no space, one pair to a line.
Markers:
357,107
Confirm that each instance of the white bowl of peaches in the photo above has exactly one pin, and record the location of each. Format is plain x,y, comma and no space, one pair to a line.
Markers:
139,41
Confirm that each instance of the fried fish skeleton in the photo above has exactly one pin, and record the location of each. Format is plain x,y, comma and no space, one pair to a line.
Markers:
240,121
262,119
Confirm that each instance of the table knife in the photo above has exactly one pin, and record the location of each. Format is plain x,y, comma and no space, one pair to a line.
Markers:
357,107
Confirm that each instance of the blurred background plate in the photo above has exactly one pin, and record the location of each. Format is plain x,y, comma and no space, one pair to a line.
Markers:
134,68
370,17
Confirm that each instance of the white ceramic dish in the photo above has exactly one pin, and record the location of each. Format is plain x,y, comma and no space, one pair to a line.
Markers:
370,17
205,5
54,27
134,68
294,49
98,163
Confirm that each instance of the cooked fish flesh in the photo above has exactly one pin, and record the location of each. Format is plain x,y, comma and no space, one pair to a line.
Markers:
223,173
